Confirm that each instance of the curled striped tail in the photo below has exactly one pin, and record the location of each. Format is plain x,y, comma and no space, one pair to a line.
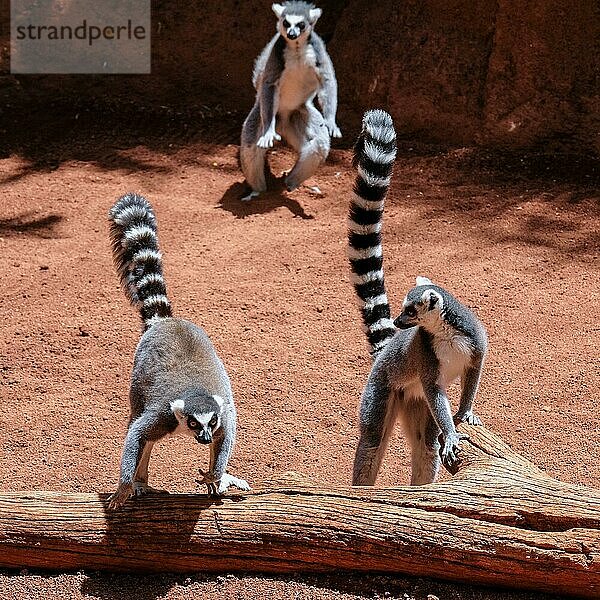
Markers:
137,257
374,155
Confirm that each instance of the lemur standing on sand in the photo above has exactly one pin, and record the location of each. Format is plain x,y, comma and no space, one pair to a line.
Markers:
293,68
434,341
178,383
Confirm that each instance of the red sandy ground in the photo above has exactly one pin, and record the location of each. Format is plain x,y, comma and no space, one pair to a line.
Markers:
515,239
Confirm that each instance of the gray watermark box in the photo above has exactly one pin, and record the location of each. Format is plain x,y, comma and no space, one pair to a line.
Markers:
80,36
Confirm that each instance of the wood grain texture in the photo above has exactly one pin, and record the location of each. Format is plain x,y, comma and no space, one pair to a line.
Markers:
499,521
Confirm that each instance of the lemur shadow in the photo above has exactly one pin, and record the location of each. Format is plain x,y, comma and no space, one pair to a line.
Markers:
268,201
141,533
117,586
29,224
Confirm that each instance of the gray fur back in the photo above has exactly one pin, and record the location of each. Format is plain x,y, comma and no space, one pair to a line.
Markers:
172,356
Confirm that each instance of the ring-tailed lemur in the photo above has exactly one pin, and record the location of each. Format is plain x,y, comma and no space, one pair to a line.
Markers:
292,69
434,341
178,383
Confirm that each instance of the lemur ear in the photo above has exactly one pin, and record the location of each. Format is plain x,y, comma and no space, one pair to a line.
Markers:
423,281
314,14
220,401
177,408
277,9
432,299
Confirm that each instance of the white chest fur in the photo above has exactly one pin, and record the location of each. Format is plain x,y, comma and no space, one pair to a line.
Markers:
300,79
454,351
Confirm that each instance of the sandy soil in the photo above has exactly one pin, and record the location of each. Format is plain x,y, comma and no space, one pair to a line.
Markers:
516,238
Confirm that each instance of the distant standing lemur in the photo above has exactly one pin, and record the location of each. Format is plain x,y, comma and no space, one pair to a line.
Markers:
433,342
292,69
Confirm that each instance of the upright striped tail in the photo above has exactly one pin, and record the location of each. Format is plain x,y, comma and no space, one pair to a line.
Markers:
137,257
374,155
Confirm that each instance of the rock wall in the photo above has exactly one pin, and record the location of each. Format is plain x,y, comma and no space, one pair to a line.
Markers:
543,77
499,72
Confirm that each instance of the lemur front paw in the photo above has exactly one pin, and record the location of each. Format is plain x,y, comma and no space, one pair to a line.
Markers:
123,493
334,130
229,480
268,139
209,480
451,449
467,417
248,196
217,487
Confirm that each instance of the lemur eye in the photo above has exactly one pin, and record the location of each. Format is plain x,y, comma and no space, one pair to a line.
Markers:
410,311
213,421
192,423
301,26
286,23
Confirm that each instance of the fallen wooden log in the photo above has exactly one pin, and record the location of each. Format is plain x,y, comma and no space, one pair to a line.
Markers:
499,521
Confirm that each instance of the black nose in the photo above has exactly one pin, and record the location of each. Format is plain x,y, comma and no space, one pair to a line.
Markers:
401,324
203,439
292,35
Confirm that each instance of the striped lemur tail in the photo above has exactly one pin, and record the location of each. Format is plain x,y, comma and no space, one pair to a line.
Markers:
137,257
374,155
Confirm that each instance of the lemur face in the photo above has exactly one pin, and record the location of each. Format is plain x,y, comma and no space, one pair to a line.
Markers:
198,416
420,305
202,426
296,19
